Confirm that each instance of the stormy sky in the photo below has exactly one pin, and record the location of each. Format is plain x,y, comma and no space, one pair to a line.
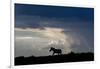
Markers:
37,28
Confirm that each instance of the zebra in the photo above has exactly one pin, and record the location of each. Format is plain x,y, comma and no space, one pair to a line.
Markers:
55,51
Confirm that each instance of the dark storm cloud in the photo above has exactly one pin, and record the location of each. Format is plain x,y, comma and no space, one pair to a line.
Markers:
35,16
28,21
53,11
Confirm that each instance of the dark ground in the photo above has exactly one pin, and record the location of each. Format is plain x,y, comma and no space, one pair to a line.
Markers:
71,57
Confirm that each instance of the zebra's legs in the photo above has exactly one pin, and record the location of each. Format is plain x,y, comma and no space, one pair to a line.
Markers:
59,53
53,53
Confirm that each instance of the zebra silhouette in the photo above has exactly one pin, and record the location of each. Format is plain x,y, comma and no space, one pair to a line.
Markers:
55,51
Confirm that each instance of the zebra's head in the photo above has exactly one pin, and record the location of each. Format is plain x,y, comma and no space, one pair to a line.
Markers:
51,48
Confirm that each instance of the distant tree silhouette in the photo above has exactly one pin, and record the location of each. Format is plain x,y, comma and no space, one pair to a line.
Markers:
55,51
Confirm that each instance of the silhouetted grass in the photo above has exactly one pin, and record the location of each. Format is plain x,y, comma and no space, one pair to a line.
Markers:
71,57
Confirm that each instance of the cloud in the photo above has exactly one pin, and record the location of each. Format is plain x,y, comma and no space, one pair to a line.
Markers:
38,41
23,38
28,21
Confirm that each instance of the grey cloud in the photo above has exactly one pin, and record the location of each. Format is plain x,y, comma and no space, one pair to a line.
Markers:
29,43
